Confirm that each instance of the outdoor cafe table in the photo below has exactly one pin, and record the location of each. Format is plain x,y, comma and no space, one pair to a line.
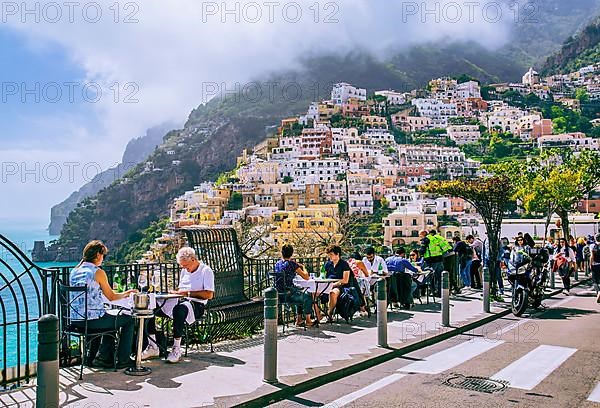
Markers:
317,287
166,302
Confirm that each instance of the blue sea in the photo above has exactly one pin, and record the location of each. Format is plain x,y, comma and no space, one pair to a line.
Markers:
18,297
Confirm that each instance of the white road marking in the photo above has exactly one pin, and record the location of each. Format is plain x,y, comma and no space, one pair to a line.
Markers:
377,385
452,357
534,367
595,395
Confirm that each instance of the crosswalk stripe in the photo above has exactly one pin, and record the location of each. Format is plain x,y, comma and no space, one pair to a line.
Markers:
452,357
533,367
595,395
377,385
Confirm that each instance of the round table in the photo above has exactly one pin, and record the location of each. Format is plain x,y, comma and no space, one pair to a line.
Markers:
140,315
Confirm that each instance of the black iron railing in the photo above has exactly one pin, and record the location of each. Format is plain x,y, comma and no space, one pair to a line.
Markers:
27,292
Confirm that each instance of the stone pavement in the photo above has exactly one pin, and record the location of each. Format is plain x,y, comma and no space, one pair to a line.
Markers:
233,373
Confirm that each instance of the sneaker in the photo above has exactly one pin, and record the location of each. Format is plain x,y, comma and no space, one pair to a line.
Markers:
174,355
395,305
363,314
150,352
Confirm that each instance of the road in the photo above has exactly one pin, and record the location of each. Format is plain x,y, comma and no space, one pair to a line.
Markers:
550,358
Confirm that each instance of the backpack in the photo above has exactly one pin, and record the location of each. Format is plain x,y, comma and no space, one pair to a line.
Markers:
348,303
595,249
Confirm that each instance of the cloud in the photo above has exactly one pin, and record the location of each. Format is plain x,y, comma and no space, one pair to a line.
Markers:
155,67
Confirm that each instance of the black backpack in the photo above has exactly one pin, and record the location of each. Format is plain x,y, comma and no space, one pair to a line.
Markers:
348,303
596,253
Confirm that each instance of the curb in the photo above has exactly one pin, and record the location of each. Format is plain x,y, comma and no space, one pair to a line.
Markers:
286,391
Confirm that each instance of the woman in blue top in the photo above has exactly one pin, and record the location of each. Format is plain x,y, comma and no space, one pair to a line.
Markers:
89,273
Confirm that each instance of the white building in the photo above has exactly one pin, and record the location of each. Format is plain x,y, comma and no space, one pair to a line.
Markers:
379,136
393,97
342,92
469,89
435,109
463,134
531,77
577,141
360,197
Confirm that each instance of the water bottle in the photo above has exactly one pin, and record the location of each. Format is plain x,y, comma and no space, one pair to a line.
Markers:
380,269
323,272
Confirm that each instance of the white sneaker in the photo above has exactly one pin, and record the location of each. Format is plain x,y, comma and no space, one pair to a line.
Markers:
174,355
150,352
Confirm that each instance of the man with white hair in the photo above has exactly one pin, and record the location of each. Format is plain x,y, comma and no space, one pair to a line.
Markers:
197,285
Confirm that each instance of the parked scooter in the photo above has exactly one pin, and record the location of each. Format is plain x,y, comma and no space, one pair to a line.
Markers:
529,280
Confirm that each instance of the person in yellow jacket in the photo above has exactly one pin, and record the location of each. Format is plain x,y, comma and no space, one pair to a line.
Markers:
432,249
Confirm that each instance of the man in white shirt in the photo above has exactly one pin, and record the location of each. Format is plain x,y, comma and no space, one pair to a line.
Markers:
374,263
197,285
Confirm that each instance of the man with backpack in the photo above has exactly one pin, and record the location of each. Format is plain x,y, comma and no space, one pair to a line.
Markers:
433,248
344,297
595,265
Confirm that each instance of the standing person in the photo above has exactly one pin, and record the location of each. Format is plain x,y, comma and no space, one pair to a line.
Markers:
595,261
374,263
477,247
503,260
564,259
284,271
579,256
197,285
402,284
465,259
432,248
88,273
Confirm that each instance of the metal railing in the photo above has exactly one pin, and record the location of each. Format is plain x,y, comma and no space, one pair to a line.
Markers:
27,292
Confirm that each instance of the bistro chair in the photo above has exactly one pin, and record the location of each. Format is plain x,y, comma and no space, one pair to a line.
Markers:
74,323
426,284
286,310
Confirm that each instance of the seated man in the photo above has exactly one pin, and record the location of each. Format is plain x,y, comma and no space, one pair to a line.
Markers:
284,272
337,268
401,283
197,284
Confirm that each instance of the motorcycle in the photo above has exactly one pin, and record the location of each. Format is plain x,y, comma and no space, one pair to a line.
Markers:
528,282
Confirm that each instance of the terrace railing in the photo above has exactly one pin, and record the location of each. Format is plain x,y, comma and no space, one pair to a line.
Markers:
27,291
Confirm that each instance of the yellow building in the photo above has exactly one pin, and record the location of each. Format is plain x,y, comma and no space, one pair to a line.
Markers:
309,228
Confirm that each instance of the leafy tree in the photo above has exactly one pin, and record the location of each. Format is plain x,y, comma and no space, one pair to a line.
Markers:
489,197
581,94
287,179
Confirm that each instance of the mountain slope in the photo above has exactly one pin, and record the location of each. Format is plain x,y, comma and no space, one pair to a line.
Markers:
216,133
136,151
576,52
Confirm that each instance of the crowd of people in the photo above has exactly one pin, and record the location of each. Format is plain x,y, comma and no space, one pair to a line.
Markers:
406,276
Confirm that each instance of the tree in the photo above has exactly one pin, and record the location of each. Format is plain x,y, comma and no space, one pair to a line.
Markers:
581,175
489,197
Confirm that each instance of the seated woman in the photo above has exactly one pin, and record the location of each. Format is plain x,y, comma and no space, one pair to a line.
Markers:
197,285
89,273
360,270
284,272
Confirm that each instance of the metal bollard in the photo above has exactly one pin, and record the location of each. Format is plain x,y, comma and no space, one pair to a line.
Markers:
270,346
445,299
552,278
47,368
576,276
382,313
486,289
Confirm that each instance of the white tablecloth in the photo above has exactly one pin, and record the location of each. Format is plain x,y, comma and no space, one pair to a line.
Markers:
318,286
165,304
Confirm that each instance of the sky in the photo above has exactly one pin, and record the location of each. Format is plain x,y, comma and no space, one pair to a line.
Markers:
80,79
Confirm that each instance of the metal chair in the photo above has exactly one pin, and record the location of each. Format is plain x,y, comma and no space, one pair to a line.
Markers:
74,321
427,284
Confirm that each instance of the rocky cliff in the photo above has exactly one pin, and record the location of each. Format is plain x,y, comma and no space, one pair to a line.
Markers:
137,150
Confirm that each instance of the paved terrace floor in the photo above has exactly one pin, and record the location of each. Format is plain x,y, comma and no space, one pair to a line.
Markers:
233,373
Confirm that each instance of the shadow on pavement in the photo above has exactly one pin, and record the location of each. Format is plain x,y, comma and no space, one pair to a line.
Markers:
565,313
